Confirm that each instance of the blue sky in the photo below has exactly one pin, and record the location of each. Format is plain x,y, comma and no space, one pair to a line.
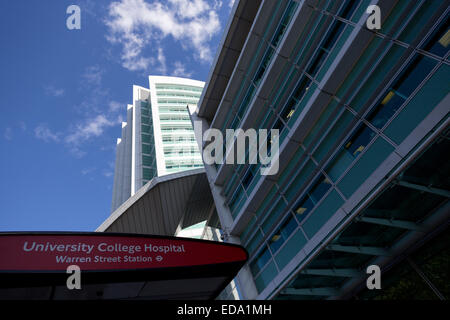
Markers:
64,93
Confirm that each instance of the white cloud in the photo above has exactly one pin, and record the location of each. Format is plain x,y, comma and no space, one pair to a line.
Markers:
162,62
115,106
231,3
135,23
53,91
108,173
180,70
87,171
42,132
90,128
93,75
8,134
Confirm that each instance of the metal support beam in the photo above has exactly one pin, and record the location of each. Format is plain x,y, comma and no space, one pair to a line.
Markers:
373,251
310,291
346,273
438,191
425,279
408,225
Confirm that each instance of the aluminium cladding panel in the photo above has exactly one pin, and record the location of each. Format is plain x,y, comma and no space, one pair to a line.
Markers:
253,40
137,149
128,154
277,64
116,191
123,196
238,26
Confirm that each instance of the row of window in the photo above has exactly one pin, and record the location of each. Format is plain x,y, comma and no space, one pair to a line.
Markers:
169,94
299,91
437,42
260,71
177,87
393,99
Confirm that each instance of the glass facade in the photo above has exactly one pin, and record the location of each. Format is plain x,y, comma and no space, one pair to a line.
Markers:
396,81
179,147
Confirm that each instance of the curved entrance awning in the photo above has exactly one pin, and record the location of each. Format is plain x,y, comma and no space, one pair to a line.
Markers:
115,266
164,205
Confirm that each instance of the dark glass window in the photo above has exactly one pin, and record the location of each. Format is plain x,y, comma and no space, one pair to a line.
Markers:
389,104
248,177
302,87
359,140
319,189
312,196
402,88
348,9
283,24
333,35
440,40
283,233
303,207
246,101
263,66
260,261
288,109
414,74
317,62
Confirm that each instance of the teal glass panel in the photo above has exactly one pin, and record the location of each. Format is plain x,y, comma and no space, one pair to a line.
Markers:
290,249
282,233
147,174
439,42
401,89
273,215
333,136
300,180
389,61
322,213
147,161
365,166
266,276
260,261
146,148
433,91
419,21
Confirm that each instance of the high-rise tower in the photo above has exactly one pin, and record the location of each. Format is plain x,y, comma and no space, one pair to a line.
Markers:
157,138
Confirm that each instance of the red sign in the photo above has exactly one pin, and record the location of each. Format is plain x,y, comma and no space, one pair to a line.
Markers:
99,251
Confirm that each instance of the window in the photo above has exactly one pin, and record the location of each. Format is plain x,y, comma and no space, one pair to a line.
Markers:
145,129
147,161
312,197
331,38
146,149
440,40
303,207
351,149
146,138
263,66
248,177
319,189
284,23
359,140
401,89
260,261
348,9
147,174
283,233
